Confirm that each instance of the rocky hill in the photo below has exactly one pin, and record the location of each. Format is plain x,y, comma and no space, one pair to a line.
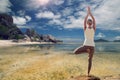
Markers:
116,41
101,40
8,30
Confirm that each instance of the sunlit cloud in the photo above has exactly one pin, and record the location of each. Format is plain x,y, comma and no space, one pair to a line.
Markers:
117,37
42,2
21,12
5,6
100,35
107,14
21,20
36,4
57,2
47,15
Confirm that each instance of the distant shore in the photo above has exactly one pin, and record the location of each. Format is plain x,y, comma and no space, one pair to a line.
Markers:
7,43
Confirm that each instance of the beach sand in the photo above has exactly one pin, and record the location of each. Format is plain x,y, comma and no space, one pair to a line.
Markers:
24,64
7,43
84,77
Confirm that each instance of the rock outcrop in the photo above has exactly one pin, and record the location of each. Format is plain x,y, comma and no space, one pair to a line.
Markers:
34,36
8,30
101,40
116,41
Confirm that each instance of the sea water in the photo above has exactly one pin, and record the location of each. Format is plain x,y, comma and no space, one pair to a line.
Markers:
99,47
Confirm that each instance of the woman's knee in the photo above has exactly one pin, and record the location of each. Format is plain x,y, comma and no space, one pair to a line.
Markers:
76,51
79,50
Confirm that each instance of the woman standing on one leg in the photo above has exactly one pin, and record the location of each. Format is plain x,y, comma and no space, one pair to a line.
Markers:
88,45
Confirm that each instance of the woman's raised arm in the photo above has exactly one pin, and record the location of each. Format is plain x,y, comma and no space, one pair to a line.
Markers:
85,21
94,22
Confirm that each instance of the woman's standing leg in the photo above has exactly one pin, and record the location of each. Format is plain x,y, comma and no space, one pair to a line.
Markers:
91,52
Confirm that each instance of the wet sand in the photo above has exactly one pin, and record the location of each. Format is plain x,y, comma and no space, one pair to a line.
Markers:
22,63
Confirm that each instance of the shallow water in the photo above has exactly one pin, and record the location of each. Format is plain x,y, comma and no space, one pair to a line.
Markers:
100,47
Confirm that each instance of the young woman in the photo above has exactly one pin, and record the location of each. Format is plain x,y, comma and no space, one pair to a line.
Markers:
89,44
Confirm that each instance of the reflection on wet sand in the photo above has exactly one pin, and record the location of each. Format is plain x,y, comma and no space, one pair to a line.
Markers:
27,49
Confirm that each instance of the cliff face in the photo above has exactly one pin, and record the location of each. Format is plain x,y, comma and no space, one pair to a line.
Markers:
6,18
7,28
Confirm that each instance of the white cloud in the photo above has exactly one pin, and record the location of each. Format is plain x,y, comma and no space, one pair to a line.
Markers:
28,18
22,17
21,12
100,35
107,14
117,37
43,2
47,14
5,6
21,20
73,22
36,4
67,11
55,22
57,2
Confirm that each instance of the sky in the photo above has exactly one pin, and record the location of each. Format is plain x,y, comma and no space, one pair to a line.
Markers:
64,18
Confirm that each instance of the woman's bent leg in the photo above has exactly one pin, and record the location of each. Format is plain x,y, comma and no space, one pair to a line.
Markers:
80,50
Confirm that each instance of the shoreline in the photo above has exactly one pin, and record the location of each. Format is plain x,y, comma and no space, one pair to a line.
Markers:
8,43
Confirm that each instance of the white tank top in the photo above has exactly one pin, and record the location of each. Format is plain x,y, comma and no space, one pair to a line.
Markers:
89,37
